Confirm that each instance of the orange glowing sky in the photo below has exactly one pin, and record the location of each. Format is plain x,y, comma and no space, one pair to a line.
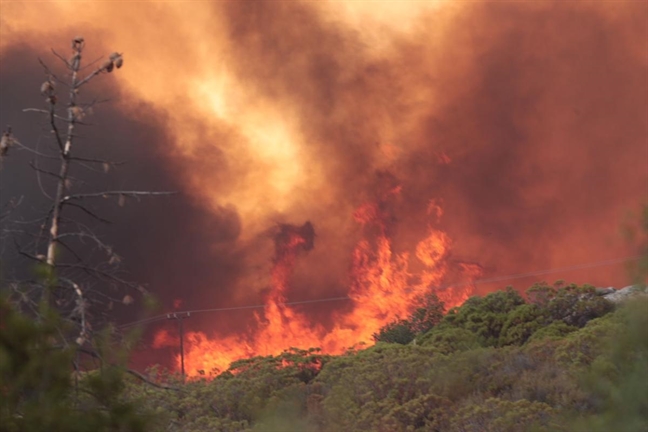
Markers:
177,55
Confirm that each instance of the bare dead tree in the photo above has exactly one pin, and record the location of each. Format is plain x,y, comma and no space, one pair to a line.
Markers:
78,283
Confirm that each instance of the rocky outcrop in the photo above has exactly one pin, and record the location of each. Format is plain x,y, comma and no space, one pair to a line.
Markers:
605,291
623,294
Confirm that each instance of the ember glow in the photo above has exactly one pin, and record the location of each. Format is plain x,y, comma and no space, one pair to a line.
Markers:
370,150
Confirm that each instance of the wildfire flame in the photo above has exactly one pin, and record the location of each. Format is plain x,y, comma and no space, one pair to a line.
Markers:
381,287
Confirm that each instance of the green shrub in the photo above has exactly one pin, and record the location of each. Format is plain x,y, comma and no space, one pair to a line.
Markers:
499,415
447,339
39,390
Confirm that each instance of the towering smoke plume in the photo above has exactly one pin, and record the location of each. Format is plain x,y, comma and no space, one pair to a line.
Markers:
429,144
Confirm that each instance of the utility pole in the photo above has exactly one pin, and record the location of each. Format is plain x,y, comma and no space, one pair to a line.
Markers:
180,316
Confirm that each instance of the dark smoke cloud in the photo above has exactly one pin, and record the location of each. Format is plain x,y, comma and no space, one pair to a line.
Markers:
541,109
174,245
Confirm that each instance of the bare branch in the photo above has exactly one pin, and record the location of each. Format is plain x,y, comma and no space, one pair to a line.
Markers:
31,221
89,77
88,235
91,63
113,258
55,130
101,161
90,213
36,152
9,207
61,58
38,179
43,228
56,116
80,310
69,249
154,384
105,194
50,73
104,274
30,256
31,164
111,299
136,374
80,226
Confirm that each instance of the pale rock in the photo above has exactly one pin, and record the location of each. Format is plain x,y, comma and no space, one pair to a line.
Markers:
626,293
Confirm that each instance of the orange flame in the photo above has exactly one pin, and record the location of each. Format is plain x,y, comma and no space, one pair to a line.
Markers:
381,287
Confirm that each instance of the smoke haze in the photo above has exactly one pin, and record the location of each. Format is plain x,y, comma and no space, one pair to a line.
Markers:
517,129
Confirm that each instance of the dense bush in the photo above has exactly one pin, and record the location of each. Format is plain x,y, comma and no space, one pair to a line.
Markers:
446,339
501,362
262,392
498,363
505,318
427,314
39,390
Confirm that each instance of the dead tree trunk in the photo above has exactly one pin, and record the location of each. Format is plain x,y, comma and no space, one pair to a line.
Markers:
56,231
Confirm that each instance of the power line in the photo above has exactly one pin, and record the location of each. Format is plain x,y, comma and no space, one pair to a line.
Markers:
461,284
260,306
556,270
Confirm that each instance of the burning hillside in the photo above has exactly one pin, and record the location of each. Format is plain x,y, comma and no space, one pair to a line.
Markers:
384,285
369,150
